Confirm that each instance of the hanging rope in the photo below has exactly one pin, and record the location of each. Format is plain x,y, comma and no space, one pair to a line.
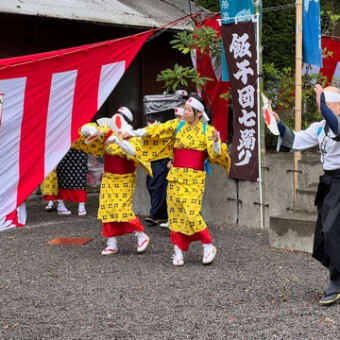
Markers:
57,54
164,28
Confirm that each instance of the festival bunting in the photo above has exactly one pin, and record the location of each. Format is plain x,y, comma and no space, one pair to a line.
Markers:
311,33
46,98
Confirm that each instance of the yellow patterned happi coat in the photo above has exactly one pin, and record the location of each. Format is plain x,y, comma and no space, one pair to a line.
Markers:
49,186
116,191
154,148
186,186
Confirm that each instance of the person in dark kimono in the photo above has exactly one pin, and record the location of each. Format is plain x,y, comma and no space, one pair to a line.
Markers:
67,183
326,134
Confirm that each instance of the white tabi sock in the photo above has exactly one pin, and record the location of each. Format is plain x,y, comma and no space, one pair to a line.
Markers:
207,248
141,236
112,243
178,251
61,204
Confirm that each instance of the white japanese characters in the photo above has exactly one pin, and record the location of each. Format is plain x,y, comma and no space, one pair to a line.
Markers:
240,49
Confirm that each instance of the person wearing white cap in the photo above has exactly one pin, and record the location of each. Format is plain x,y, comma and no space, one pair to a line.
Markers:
193,143
325,134
119,180
126,113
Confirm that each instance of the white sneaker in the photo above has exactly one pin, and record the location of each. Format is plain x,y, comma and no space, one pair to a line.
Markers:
164,225
177,258
209,253
143,243
111,248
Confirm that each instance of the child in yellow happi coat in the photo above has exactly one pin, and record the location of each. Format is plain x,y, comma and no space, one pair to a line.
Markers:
194,143
118,182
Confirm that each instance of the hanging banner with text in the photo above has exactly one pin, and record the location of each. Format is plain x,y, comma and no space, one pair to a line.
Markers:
240,47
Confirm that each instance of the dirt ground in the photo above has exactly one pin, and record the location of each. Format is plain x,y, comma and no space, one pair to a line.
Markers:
251,291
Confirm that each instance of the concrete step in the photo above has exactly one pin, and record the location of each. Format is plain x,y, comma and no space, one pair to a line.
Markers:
294,231
304,201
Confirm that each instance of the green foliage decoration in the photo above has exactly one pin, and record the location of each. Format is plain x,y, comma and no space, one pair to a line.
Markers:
279,86
205,39
181,76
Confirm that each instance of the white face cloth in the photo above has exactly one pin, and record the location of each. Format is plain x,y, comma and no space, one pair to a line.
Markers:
332,97
193,102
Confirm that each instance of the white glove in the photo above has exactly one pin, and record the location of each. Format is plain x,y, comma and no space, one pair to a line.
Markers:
88,130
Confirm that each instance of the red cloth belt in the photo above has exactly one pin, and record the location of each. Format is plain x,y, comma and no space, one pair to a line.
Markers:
118,165
187,158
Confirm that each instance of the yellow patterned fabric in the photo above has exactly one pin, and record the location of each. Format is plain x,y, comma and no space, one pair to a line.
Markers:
49,186
96,147
116,191
223,159
155,148
186,186
116,197
184,199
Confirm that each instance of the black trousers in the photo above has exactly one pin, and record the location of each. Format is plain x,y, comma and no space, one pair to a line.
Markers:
326,247
156,186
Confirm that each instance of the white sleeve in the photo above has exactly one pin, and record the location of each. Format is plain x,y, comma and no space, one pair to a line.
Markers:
308,138
137,133
88,130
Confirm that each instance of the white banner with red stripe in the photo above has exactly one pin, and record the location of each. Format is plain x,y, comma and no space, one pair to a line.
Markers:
45,99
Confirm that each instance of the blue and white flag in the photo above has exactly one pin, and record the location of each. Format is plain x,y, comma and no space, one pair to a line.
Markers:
243,10
311,33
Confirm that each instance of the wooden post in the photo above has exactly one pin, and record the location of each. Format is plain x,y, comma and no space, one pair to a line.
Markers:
298,84
298,65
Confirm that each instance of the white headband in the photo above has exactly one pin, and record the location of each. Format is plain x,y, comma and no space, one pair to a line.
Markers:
198,106
332,97
179,111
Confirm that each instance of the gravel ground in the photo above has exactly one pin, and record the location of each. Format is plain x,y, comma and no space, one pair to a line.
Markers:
251,291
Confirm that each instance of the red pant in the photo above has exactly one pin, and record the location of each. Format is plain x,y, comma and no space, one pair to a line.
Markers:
183,241
74,195
112,229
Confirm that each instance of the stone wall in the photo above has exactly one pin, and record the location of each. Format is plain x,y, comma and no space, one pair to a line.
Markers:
231,201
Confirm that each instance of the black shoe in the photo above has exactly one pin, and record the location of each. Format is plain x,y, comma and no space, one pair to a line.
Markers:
151,221
161,220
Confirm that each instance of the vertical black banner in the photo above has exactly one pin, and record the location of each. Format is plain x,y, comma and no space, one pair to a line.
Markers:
240,49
